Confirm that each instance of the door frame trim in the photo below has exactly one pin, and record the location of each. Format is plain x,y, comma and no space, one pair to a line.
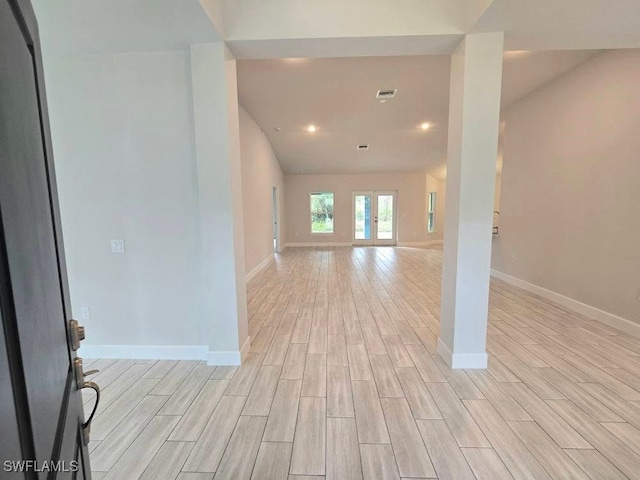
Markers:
394,224
373,241
276,217
354,241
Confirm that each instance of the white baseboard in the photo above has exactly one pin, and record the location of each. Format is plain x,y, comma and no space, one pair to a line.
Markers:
229,358
462,360
319,244
256,270
145,352
421,244
167,352
622,324
349,244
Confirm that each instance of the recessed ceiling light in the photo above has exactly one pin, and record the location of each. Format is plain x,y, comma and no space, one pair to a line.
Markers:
425,126
311,128
277,129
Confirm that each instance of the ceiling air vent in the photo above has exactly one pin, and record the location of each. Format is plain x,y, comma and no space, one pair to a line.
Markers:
386,93
362,146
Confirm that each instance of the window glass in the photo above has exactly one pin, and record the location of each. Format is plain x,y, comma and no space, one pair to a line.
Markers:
431,214
322,212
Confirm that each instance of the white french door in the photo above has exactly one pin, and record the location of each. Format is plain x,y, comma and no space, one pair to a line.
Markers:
374,218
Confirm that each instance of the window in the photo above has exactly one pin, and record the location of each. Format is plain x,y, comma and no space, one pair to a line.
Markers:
431,213
322,212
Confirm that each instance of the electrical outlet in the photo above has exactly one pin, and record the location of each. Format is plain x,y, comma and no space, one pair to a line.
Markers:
85,313
117,246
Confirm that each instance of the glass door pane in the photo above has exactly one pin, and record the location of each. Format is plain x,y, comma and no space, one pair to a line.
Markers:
362,216
385,218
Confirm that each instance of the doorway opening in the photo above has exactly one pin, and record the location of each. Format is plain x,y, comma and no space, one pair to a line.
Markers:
276,219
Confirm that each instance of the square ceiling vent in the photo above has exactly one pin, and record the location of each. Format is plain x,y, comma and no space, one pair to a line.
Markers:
386,93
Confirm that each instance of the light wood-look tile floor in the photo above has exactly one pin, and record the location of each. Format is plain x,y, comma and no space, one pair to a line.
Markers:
343,382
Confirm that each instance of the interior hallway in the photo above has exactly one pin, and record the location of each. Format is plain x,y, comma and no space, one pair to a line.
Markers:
343,381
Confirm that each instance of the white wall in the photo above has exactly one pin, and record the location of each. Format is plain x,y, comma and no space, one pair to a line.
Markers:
217,145
260,173
439,186
570,200
122,128
496,201
411,188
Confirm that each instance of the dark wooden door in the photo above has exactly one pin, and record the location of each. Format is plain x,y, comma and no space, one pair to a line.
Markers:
40,405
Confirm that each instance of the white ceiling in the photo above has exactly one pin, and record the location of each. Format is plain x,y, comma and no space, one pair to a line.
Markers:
337,93
335,28
563,24
525,71
338,96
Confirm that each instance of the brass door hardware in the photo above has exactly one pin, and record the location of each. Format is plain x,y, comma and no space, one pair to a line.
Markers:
82,383
77,333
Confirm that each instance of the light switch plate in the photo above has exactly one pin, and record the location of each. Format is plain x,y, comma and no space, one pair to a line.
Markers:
85,313
117,246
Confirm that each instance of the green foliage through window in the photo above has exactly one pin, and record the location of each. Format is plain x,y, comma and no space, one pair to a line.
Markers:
322,212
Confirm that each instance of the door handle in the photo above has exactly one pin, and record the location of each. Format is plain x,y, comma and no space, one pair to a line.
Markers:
82,383
77,333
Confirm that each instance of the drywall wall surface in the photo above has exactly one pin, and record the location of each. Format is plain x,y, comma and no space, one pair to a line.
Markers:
122,128
411,198
570,196
260,173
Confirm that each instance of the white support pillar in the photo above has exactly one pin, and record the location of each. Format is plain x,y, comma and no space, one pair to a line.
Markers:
474,113
217,139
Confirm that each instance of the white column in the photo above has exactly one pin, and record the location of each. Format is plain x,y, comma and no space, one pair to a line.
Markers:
474,111
217,140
